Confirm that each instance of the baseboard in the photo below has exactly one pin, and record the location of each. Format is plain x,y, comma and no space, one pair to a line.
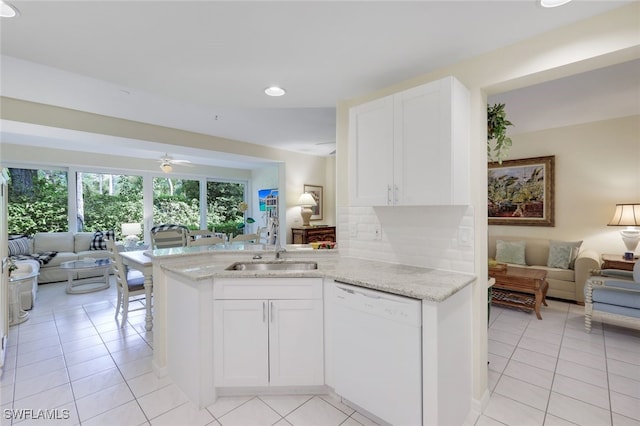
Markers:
477,408
160,371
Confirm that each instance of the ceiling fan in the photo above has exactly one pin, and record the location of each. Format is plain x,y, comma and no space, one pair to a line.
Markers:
167,162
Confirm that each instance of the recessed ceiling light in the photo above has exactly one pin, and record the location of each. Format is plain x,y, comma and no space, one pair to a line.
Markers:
274,91
553,3
7,10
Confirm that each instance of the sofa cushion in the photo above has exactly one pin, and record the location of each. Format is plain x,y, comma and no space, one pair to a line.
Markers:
19,246
93,254
510,252
562,254
99,239
82,241
61,257
53,241
536,252
558,274
616,296
42,258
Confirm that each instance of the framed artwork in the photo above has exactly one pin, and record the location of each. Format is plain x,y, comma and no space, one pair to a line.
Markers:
316,191
268,199
521,192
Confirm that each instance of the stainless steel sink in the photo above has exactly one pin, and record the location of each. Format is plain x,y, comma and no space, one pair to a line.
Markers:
273,266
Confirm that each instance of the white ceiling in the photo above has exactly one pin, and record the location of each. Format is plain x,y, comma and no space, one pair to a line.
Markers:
202,66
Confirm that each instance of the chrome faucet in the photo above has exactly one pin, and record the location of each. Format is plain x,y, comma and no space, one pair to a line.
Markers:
275,229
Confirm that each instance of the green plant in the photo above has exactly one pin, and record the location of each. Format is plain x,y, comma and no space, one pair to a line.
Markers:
12,265
498,143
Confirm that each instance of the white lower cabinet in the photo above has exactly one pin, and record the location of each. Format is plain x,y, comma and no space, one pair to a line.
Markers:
241,347
270,341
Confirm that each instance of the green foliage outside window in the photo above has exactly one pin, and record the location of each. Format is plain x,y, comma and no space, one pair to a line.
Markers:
107,201
38,202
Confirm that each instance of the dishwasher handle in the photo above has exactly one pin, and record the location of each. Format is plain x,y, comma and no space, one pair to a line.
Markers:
350,291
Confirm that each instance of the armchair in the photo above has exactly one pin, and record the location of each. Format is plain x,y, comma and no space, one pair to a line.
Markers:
613,293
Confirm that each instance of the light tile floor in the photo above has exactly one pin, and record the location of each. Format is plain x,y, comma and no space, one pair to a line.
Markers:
72,359
551,372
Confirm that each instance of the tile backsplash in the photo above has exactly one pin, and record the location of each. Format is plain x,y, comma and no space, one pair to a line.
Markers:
439,237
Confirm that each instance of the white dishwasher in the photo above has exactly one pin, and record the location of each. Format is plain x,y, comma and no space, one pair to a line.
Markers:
378,353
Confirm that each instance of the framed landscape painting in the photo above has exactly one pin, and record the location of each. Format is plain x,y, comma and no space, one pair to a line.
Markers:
521,192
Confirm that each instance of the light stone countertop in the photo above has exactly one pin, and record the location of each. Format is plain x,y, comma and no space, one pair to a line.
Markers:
419,283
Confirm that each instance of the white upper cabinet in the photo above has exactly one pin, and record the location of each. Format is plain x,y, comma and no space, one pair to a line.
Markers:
411,148
371,153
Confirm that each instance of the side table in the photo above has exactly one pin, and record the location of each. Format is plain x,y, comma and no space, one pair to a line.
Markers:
312,234
16,314
616,261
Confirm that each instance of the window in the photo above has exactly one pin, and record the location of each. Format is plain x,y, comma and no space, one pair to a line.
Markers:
223,202
176,201
106,201
38,201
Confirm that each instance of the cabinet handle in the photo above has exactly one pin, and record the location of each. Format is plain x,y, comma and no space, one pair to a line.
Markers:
272,311
264,311
388,195
395,193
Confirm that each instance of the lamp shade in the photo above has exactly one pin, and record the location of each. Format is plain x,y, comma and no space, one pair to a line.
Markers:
131,228
626,215
306,199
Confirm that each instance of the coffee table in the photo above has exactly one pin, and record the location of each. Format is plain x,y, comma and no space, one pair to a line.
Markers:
523,288
82,285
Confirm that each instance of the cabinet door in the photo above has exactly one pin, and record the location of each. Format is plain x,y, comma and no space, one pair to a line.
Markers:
431,144
422,147
241,343
296,342
371,153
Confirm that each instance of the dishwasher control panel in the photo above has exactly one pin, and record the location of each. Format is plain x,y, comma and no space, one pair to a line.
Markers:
374,302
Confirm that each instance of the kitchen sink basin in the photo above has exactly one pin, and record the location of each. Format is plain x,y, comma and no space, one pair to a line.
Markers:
273,266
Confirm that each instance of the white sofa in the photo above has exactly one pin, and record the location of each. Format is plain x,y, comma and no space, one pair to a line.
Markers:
567,284
70,246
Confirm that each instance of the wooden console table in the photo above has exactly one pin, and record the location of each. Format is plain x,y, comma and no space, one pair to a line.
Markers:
522,288
312,234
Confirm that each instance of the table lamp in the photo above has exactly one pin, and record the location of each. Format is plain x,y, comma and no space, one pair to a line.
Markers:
131,231
307,201
628,215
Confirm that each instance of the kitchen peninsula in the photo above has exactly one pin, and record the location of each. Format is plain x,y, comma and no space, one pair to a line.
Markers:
203,311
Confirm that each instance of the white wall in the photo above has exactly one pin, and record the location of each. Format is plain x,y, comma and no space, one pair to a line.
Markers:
597,165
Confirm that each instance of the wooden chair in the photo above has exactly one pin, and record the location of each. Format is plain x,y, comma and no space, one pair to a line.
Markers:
245,237
203,238
168,236
129,284
263,237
